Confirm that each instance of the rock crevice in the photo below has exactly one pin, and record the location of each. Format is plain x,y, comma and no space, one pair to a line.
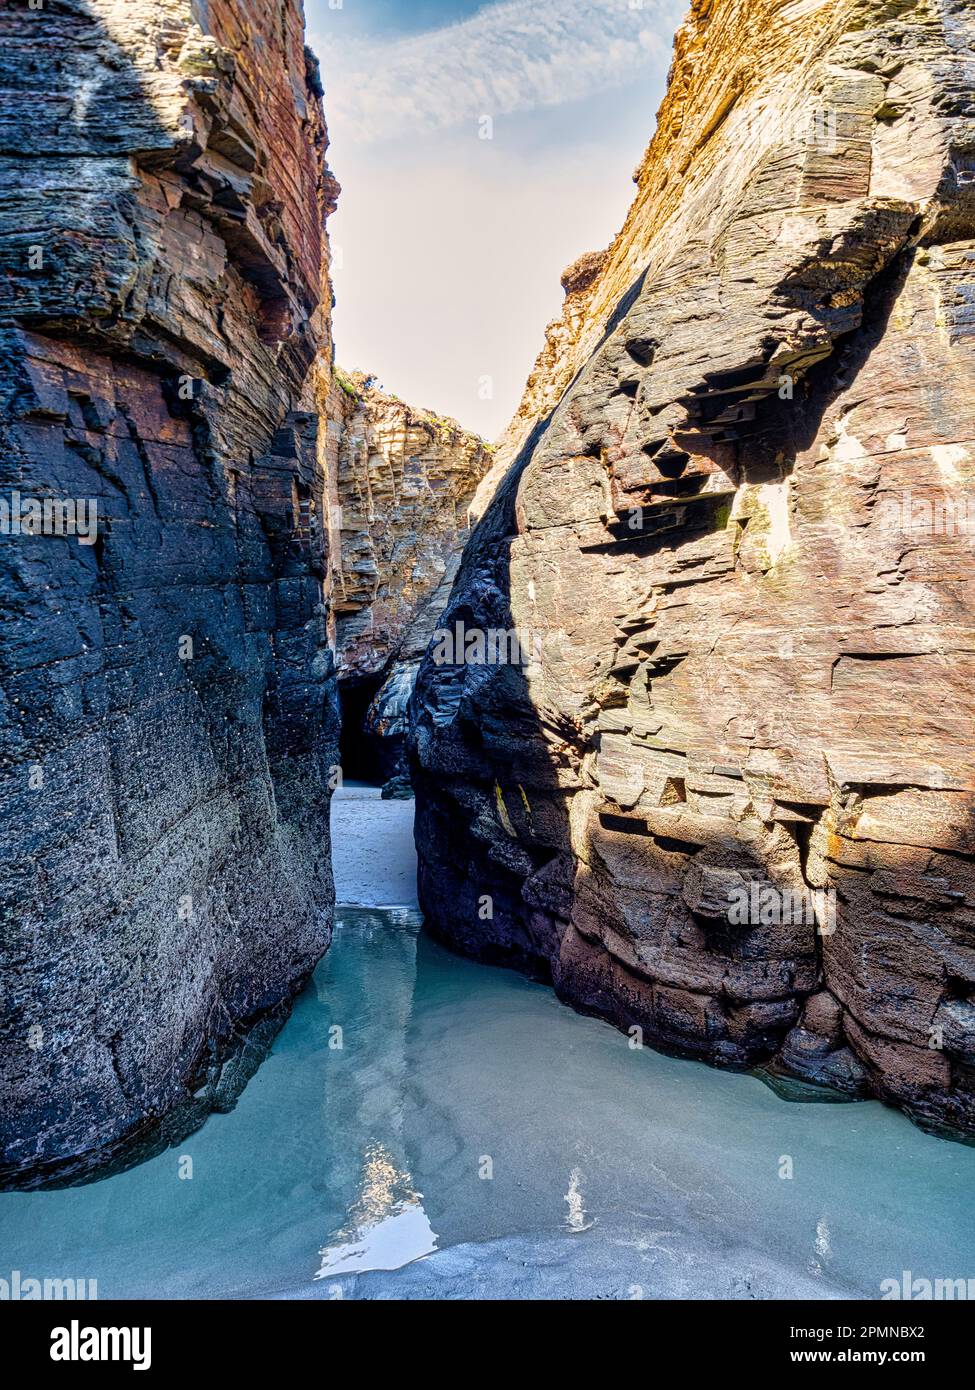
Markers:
400,482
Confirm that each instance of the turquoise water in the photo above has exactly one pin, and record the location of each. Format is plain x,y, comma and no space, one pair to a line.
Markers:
472,1136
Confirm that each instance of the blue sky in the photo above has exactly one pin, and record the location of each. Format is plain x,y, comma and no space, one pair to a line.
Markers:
449,245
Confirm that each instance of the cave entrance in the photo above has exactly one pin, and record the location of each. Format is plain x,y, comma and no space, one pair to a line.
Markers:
359,754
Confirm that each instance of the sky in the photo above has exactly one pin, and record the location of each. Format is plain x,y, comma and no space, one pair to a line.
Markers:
481,148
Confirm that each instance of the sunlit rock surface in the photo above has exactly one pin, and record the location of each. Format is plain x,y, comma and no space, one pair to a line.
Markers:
168,691
737,509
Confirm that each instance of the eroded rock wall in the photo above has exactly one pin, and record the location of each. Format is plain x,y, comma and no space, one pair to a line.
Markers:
169,712
400,482
739,517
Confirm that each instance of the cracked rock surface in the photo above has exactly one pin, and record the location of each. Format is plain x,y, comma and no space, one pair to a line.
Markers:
735,505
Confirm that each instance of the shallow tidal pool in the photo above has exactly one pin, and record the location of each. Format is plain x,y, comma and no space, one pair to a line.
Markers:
427,1127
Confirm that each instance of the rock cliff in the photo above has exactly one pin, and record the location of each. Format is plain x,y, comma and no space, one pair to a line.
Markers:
726,799
169,711
400,481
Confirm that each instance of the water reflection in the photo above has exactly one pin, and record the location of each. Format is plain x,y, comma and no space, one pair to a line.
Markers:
387,1227
384,1225
576,1221
357,1146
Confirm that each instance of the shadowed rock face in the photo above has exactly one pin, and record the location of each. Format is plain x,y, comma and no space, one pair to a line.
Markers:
168,693
738,513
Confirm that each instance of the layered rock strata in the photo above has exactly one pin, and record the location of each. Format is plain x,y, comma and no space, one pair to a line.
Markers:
169,712
727,800
400,482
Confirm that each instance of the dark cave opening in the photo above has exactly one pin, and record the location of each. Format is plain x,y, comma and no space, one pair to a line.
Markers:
360,754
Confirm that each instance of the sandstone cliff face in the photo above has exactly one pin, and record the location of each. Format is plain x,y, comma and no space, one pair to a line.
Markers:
399,482
740,521
168,691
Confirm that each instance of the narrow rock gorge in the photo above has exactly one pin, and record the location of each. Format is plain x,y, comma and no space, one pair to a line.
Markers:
732,511
400,481
680,672
169,708
706,762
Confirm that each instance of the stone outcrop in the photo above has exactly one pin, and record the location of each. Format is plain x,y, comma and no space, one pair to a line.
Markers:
728,800
169,710
400,482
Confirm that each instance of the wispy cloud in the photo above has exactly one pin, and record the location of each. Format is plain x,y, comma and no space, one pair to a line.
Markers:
515,56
